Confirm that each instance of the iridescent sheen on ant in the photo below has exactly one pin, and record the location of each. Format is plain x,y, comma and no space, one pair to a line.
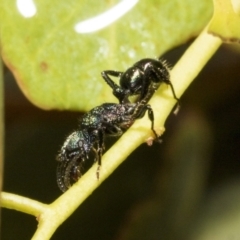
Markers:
112,119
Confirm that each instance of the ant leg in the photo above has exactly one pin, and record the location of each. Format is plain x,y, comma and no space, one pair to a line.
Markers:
118,92
108,80
75,171
100,147
174,96
140,112
151,118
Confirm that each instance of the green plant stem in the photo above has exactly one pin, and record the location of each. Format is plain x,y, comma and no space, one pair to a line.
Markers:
23,204
182,75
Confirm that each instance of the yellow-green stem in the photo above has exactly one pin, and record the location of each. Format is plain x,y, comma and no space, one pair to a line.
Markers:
23,204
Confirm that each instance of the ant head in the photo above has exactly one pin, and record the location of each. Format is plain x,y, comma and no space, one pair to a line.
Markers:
144,76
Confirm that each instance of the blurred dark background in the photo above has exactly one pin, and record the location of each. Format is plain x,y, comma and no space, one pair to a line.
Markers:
161,192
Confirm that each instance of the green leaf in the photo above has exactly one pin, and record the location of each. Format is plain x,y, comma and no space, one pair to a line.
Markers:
226,20
59,68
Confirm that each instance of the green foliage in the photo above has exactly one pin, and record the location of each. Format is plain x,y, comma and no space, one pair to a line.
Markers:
58,68
226,20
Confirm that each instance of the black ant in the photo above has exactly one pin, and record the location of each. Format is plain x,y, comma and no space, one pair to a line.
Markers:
111,119
144,77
